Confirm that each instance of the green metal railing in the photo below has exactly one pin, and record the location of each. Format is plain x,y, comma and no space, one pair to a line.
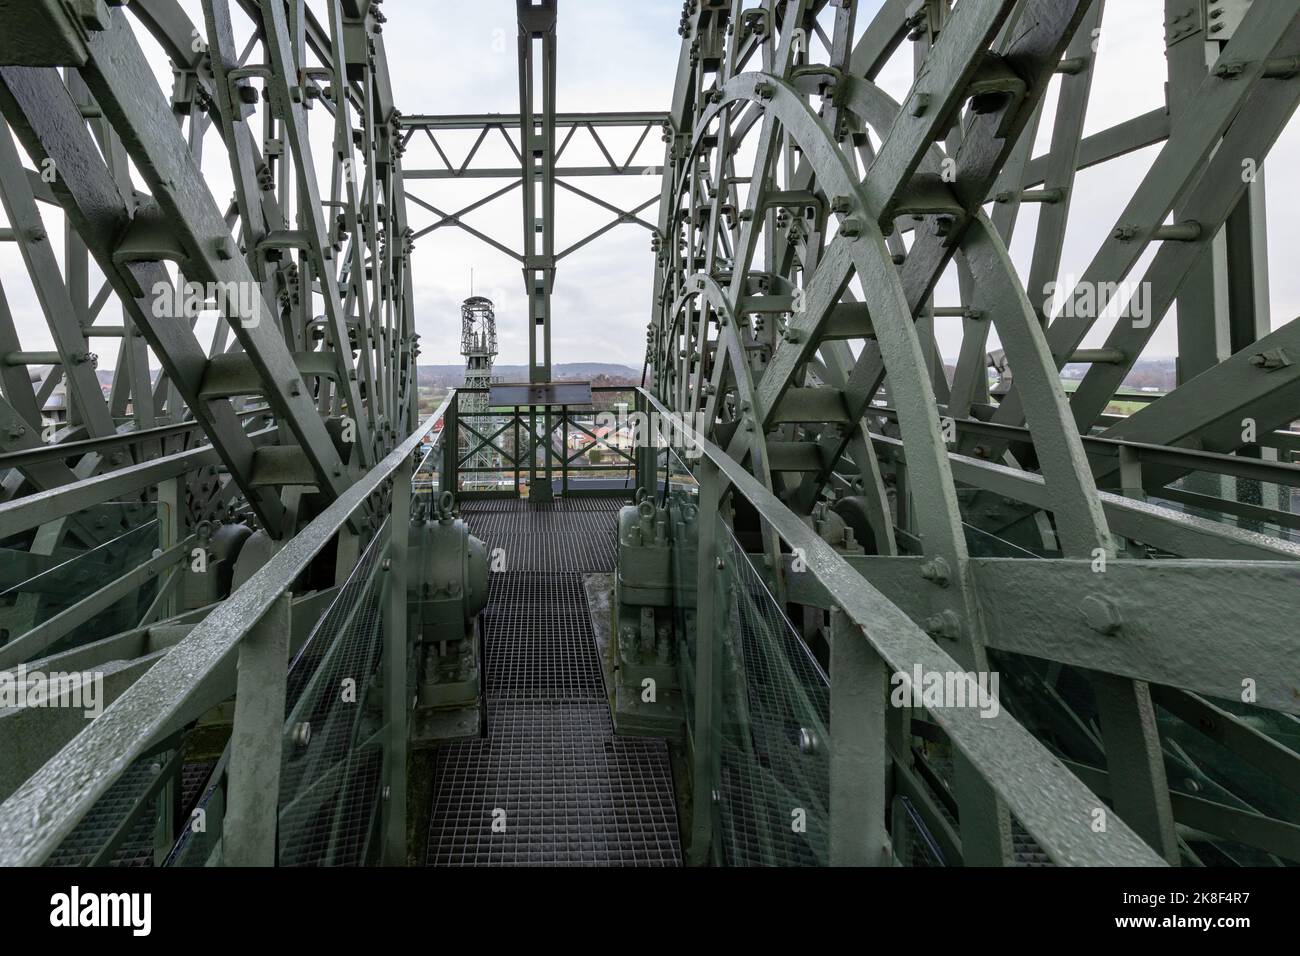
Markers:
242,647
570,449
789,753
745,772
75,598
773,759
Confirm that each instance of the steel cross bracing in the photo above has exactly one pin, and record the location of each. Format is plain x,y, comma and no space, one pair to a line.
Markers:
794,325
806,219
567,127
108,498
316,336
543,136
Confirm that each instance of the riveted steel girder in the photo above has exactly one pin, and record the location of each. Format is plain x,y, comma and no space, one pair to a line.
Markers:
793,318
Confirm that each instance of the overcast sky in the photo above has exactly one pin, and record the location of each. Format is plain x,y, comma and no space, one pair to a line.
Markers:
448,56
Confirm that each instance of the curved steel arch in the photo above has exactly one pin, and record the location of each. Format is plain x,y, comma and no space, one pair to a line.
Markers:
297,414
1131,672
779,388
295,245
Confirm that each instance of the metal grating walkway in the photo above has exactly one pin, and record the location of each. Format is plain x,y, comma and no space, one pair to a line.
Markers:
561,786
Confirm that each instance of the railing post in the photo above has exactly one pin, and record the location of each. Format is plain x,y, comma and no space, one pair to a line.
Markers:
170,495
518,453
859,756
166,811
564,450
1130,484
347,554
542,490
256,741
449,480
396,703
709,613
532,451
639,448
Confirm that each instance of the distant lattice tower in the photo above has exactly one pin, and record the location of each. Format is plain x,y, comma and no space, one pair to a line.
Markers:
478,343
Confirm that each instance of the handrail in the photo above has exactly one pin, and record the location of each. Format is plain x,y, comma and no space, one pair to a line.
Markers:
1193,459
61,501
44,454
602,389
1052,803
46,808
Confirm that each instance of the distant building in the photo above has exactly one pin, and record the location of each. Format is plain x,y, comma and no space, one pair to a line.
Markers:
478,343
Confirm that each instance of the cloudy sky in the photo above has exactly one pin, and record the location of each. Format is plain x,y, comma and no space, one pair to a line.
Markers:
448,56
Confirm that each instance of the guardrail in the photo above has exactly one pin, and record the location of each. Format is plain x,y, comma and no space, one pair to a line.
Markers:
252,627
121,442
871,638
1135,454
500,450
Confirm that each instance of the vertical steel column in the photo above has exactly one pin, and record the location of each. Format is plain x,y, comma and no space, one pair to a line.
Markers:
256,741
170,495
859,758
396,703
646,452
537,144
709,613
1245,237
451,446
1201,301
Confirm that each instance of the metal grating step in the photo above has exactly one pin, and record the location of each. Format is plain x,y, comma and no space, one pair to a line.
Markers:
535,509
553,552
560,786
551,522
561,538
541,658
523,593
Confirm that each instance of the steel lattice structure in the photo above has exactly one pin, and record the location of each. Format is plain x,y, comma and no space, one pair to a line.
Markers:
309,378
1133,577
794,327
328,337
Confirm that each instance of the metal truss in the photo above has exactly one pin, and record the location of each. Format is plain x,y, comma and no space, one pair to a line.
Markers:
1131,576
288,425
309,376
794,324
567,126
316,330
543,135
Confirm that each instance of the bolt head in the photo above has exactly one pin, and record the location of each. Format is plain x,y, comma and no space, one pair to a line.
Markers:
1102,614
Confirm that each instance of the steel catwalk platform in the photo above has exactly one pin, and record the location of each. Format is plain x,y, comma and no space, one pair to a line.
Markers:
572,792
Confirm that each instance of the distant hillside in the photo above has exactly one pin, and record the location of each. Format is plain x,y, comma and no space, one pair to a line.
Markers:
1157,373
445,376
